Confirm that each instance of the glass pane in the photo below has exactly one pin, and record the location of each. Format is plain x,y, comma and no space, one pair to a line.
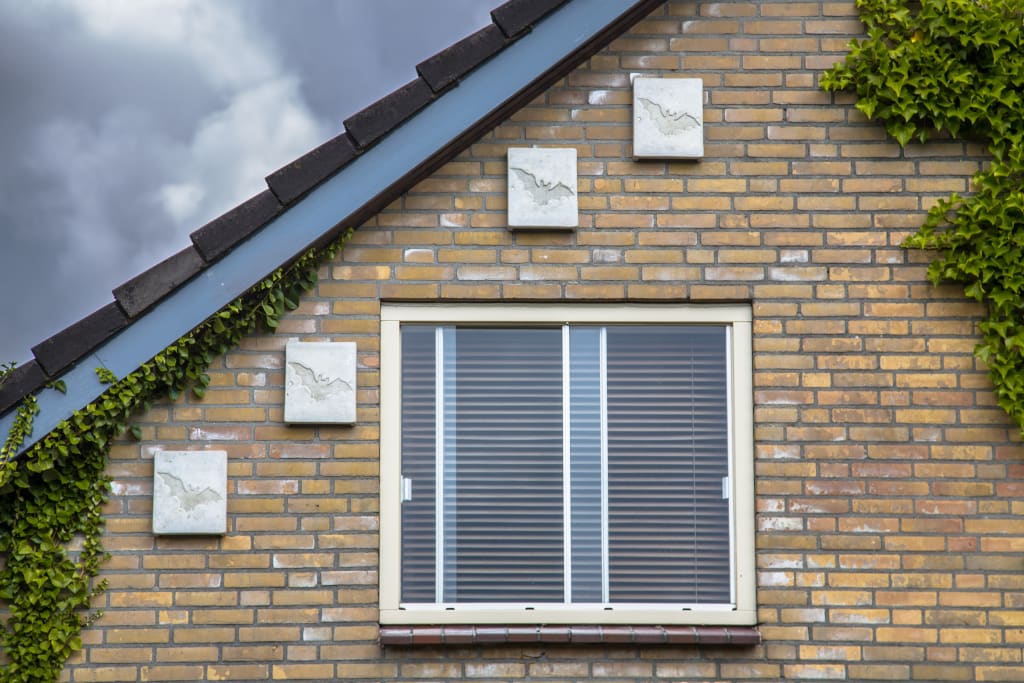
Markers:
585,462
667,455
505,492
418,435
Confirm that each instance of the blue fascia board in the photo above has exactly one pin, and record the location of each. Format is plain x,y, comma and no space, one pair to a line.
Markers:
413,143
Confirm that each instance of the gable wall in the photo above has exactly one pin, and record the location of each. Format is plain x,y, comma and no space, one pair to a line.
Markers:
888,485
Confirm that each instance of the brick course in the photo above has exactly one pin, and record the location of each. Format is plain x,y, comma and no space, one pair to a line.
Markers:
888,485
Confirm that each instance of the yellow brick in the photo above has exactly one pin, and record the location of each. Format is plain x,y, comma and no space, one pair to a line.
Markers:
470,291
403,290
306,671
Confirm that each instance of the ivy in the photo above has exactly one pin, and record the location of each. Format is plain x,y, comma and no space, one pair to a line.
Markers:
51,498
958,66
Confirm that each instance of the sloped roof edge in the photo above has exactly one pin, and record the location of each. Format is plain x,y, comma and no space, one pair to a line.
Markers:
235,251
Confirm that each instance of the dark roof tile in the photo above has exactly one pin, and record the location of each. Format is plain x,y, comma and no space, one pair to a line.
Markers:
22,381
387,113
515,16
455,61
222,234
142,291
78,339
292,181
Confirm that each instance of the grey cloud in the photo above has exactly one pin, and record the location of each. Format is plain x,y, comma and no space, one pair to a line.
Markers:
351,53
115,149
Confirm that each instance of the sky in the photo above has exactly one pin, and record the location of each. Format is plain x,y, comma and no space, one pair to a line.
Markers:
127,124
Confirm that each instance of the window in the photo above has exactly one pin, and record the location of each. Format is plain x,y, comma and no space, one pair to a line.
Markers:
566,464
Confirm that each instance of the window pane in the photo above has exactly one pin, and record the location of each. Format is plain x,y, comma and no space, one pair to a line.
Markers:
418,436
667,455
647,519
585,462
502,434
507,494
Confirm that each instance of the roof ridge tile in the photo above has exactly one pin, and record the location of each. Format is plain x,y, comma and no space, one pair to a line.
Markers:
140,293
380,118
516,16
445,68
22,381
224,233
74,341
295,179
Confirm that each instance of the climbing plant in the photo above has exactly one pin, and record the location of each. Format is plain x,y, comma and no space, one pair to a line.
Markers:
51,498
958,66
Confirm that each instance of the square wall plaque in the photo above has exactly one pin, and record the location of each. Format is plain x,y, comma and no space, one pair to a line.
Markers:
542,189
320,383
668,118
190,492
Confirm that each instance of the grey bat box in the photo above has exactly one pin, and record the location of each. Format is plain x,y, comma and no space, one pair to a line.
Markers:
190,492
542,189
668,118
320,383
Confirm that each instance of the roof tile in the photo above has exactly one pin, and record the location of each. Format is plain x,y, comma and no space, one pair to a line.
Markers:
78,339
223,233
144,290
455,61
293,180
515,16
22,381
387,113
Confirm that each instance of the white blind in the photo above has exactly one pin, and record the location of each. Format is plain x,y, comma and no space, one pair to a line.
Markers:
647,435
667,456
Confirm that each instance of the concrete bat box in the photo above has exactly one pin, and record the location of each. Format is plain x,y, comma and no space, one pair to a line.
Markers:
668,118
190,492
542,189
320,383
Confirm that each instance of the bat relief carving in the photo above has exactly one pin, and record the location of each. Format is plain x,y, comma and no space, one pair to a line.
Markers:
319,387
542,191
188,496
669,121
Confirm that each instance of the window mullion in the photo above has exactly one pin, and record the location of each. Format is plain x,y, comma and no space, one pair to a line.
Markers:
439,469
603,369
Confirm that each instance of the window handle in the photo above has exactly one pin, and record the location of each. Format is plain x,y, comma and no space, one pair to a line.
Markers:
406,489
725,488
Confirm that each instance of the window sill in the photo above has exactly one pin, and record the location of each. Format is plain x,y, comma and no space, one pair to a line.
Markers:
618,635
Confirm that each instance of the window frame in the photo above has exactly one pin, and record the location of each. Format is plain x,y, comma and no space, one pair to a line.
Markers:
741,479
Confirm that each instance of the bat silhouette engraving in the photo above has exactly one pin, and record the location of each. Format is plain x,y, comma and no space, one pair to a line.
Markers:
669,121
542,191
188,496
319,387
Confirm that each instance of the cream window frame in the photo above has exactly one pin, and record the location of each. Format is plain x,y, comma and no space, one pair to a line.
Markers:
741,480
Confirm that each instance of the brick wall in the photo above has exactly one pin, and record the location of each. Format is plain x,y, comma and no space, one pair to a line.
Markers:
888,484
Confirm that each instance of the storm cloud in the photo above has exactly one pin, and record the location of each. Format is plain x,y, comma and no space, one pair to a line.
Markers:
125,125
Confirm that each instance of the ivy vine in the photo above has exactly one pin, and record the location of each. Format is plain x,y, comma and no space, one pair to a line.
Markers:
51,498
958,66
